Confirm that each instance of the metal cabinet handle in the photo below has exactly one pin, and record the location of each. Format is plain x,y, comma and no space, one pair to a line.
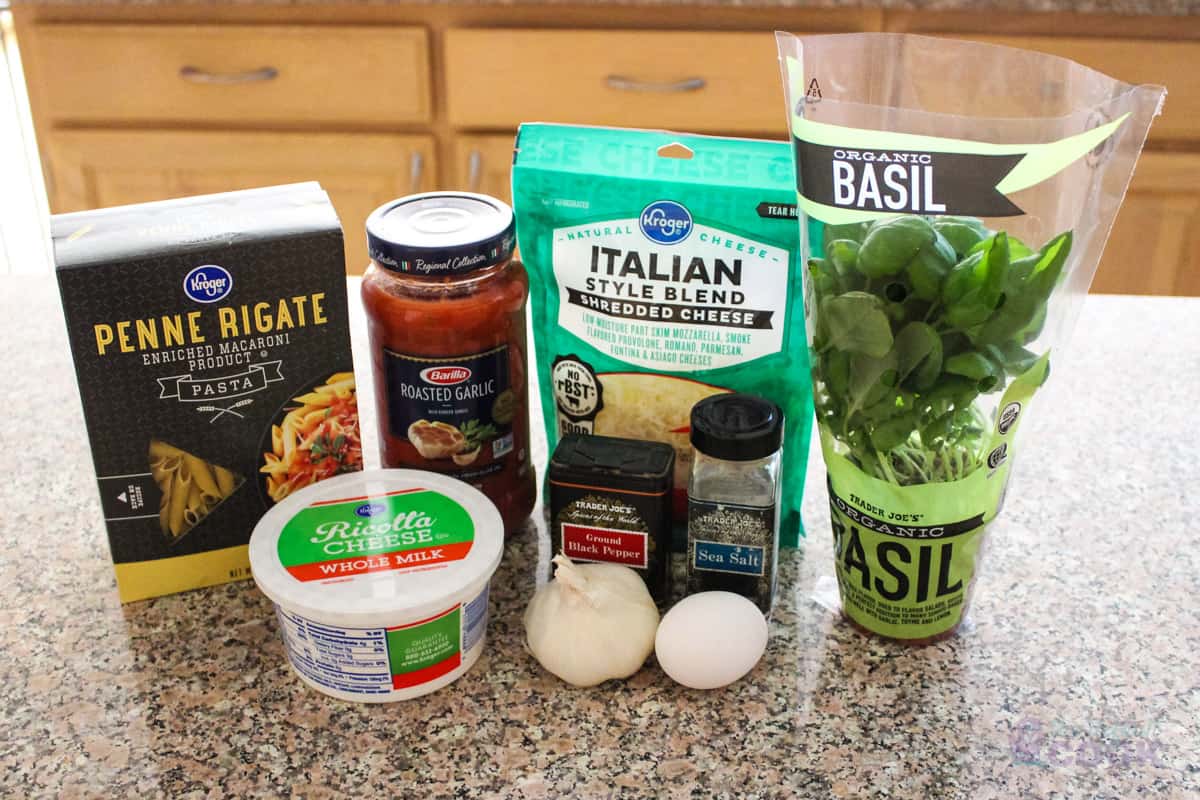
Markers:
197,75
416,169
625,84
474,170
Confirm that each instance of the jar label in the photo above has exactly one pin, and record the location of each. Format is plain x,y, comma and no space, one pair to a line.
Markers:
732,548
589,543
722,557
344,538
456,412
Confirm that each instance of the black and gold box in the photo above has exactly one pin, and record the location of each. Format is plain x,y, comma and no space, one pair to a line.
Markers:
212,347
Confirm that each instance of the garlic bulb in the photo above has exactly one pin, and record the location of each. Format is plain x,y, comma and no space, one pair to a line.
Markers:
591,623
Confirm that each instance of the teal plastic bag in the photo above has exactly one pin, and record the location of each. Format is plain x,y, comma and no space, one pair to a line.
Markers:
663,269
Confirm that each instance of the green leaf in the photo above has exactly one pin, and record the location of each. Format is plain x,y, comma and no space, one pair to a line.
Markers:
894,432
857,323
843,255
918,354
975,366
825,279
854,232
961,234
976,284
871,379
890,245
988,375
1027,290
930,266
837,373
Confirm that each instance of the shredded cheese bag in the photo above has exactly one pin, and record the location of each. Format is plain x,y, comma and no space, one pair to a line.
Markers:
663,269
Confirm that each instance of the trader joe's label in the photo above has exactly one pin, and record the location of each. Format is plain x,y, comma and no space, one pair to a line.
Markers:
343,538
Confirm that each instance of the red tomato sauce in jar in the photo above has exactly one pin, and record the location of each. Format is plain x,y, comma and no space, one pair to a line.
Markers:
445,305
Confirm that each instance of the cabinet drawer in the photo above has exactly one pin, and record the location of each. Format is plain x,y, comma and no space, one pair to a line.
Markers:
231,74
361,171
1168,63
693,81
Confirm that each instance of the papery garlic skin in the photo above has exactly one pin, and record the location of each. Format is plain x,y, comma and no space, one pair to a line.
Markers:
592,623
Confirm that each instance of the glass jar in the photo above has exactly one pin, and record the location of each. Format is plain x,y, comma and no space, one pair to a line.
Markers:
733,497
445,304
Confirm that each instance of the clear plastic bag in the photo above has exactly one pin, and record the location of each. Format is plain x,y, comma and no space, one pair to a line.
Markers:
955,199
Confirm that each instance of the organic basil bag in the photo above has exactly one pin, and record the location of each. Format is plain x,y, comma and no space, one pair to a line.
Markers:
954,202
663,270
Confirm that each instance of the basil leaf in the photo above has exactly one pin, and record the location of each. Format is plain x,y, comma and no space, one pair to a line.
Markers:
857,323
890,245
918,354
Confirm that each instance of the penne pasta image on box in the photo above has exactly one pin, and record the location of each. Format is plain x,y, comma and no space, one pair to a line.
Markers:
212,347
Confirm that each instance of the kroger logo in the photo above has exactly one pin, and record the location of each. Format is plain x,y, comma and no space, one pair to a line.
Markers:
208,283
665,222
445,376
370,509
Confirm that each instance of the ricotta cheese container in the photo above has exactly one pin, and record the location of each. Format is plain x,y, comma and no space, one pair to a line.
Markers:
380,581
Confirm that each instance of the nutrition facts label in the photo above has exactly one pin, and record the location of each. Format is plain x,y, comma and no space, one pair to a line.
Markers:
376,661
346,659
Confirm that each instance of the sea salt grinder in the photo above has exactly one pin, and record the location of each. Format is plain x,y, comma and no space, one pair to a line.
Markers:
733,497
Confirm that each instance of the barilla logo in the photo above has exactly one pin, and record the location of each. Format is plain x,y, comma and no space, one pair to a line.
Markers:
208,283
445,376
665,222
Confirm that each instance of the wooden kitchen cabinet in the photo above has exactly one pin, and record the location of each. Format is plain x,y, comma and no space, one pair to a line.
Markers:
142,101
484,164
703,81
236,75
1155,244
94,168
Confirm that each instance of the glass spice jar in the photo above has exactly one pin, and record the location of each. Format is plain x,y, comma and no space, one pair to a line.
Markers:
733,497
445,304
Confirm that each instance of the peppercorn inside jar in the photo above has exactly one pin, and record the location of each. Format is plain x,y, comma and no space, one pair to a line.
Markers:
445,305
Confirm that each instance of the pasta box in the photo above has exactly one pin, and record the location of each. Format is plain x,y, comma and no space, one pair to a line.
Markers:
212,347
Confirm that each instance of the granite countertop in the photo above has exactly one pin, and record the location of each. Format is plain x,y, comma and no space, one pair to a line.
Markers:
1076,676
1116,7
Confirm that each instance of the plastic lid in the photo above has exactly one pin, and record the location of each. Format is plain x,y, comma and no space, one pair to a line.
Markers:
367,548
613,457
441,233
737,427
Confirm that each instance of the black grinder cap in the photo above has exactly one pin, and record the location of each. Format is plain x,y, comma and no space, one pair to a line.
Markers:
737,427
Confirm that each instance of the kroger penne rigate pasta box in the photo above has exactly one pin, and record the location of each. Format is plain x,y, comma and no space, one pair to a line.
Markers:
212,346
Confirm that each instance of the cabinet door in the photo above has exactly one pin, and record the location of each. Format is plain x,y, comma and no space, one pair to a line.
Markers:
1155,243
484,164
91,169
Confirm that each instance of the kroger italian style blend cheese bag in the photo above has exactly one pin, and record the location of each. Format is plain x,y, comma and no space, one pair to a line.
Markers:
663,271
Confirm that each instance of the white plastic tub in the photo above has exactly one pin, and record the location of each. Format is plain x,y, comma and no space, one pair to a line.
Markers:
380,580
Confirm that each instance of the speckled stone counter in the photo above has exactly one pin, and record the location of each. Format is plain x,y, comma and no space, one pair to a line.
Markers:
1077,677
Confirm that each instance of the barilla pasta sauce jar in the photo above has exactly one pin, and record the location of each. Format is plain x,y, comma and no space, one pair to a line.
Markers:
445,305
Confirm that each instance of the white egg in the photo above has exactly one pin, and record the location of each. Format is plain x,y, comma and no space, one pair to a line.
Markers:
710,639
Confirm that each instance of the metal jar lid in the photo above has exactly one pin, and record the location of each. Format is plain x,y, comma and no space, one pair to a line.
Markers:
438,234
